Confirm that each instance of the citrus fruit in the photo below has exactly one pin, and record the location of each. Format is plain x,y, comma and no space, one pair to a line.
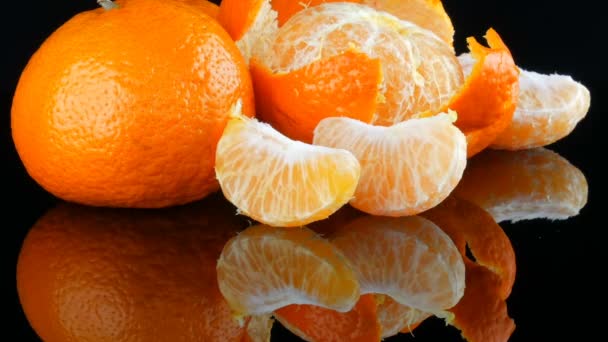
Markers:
487,101
428,14
391,69
549,108
264,269
116,110
398,318
314,323
524,185
279,181
406,168
93,274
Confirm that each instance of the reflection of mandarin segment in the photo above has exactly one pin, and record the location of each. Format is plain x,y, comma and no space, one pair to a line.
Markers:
264,269
406,168
411,266
87,274
524,185
102,121
279,181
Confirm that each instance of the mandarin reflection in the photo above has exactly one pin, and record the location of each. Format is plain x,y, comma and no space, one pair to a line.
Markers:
92,274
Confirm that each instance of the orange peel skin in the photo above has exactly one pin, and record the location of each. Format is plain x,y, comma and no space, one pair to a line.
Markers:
238,16
314,323
313,90
488,99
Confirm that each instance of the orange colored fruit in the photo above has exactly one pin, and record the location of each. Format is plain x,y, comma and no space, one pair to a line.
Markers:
264,269
487,101
92,274
398,318
279,181
320,85
524,185
390,70
99,120
549,108
314,323
406,168
428,14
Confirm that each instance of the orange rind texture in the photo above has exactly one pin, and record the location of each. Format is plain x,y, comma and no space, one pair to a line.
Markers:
313,91
487,101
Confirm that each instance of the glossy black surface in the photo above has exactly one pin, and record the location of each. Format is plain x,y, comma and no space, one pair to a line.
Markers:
557,260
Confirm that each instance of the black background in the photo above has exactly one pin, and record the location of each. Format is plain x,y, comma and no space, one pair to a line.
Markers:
559,263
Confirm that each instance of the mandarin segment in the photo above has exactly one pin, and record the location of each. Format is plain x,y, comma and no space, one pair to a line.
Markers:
549,108
264,269
100,121
282,182
314,323
487,101
428,14
406,168
524,185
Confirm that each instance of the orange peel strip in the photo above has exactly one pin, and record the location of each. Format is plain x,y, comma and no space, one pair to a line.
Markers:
237,16
312,90
468,224
487,101
481,315
314,323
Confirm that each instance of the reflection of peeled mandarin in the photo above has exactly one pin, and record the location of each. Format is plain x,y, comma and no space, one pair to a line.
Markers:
87,274
263,269
524,185
409,262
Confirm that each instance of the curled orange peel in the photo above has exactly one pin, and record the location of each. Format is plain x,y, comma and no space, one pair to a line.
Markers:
486,102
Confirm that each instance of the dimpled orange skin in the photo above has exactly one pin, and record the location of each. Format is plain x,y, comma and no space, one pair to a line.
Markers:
97,274
124,108
207,7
